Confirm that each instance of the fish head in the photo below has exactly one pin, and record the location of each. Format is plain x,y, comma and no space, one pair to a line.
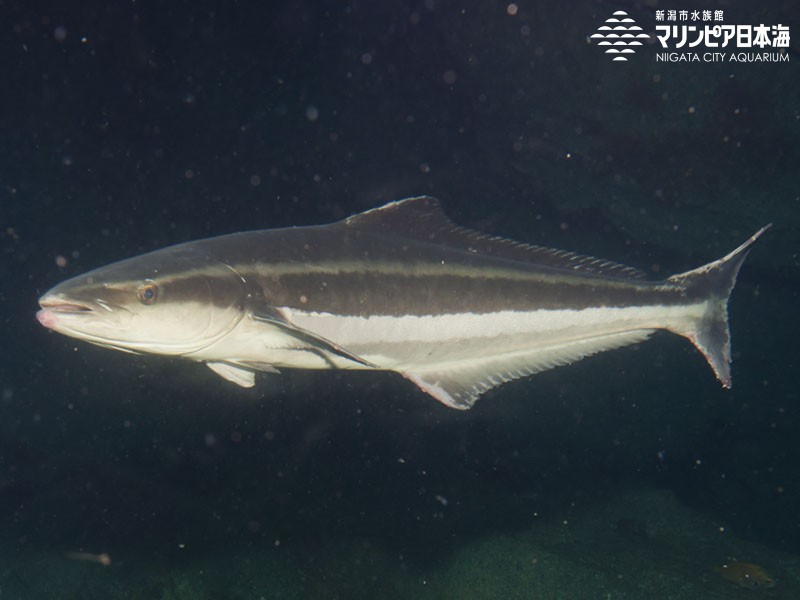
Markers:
174,301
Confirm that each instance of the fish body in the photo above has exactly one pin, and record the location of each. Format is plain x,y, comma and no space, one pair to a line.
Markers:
746,575
397,288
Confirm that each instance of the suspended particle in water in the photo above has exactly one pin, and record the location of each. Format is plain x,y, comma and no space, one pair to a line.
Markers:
312,112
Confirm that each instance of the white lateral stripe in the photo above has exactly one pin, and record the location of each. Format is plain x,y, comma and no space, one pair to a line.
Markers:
384,329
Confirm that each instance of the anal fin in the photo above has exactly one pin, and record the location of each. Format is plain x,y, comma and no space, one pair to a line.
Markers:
446,389
460,385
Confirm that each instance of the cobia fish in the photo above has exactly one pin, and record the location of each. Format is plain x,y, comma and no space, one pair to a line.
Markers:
397,288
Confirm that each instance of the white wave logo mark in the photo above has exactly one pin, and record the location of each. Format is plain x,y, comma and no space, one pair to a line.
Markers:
619,33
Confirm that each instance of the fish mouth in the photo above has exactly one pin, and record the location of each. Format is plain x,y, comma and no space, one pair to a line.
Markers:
60,306
57,312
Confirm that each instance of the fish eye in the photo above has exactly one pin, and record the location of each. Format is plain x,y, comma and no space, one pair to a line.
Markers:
147,293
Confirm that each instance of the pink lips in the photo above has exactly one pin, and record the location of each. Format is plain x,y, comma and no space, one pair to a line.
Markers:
52,306
47,318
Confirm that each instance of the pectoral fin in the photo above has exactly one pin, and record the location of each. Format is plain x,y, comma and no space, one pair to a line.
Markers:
318,344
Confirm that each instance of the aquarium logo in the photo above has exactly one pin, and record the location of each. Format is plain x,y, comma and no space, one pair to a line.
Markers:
619,36
685,34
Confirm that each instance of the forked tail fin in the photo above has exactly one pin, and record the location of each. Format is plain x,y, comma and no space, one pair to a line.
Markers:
715,282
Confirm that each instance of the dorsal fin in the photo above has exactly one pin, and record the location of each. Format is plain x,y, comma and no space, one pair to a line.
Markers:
422,218
419,218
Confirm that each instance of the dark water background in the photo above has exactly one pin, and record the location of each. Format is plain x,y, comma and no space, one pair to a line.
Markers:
127,126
